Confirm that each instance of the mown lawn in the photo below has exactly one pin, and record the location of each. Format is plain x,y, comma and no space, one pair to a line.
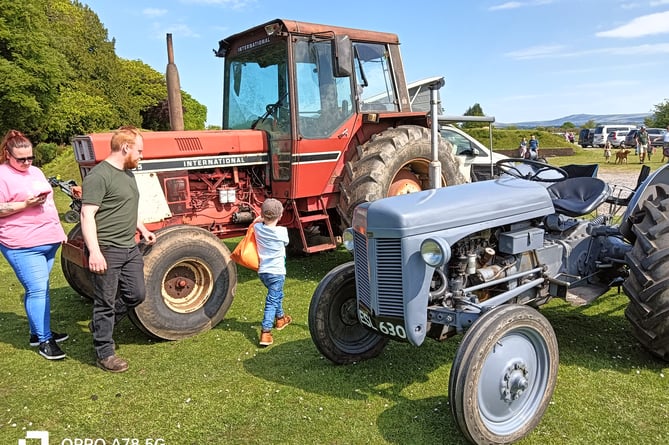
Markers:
221,388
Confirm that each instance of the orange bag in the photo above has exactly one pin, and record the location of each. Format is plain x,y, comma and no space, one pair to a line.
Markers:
246,252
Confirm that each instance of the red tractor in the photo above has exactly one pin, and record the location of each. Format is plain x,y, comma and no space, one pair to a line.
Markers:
316,116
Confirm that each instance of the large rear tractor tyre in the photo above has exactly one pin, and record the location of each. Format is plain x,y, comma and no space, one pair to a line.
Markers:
76,276
648,283
503,375
333,320
190,283
393,162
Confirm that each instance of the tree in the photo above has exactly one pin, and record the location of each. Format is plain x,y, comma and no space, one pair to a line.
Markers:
31,71
660,117
589,124
60,75
474,110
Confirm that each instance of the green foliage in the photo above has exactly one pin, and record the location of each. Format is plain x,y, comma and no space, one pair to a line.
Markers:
45,152
30,70
589,124
474,110
61,76
195,114
507,139
568,125
660,117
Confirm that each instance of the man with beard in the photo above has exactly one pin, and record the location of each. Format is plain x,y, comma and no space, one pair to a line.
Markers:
109,223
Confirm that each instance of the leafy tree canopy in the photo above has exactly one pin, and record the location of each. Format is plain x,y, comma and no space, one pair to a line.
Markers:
474,110
61,75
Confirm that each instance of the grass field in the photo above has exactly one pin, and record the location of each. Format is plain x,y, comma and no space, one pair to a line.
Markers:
221,388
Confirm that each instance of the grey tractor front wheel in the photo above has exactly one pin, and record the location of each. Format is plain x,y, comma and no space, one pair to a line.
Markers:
648,283
333,320
503,375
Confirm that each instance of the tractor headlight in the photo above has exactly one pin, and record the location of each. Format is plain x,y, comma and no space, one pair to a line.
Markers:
435,252
347,239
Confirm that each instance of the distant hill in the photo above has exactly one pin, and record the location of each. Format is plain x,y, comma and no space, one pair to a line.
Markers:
580,119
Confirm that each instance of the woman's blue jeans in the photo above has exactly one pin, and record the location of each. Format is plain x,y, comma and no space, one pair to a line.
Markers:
274,299
32,267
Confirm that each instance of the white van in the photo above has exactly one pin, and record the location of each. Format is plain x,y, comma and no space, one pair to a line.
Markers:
602,131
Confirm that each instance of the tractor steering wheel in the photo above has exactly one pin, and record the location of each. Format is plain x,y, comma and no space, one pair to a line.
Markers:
510,167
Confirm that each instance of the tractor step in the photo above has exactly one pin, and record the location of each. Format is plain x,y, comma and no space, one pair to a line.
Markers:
324,242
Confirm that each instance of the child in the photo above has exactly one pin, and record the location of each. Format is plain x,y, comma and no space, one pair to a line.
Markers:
272,241
607,151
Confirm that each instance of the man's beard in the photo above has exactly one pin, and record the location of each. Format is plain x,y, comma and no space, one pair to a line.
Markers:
129,164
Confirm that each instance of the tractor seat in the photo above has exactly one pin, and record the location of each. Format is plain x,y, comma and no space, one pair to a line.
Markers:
578,196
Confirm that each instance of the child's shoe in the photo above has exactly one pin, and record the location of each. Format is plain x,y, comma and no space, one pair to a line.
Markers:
282,322
266,338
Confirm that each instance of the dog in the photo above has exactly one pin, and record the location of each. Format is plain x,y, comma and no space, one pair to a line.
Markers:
621,156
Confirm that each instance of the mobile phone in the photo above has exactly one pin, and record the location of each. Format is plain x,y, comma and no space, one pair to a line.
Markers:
43,194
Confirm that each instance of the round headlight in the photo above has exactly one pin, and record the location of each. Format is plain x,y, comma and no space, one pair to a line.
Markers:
347,239
433,252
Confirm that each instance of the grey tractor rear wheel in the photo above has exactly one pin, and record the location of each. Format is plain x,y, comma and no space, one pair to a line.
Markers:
648,283
503,375
333,320
393,162
190,283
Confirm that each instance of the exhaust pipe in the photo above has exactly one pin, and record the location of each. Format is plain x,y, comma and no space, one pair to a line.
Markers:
173,90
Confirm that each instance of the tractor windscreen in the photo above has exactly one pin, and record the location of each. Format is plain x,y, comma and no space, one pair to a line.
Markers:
256,90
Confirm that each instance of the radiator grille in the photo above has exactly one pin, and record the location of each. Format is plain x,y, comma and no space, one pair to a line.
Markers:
387,265
389,275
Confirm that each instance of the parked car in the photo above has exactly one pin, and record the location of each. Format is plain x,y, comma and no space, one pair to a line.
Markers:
475,162
656,136
630,139
617,138
602,131
586,137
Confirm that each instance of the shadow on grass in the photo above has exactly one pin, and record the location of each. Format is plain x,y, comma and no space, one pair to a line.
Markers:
70,313
598,336
390,376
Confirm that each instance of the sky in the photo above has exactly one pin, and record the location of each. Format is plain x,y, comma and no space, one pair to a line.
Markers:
521,61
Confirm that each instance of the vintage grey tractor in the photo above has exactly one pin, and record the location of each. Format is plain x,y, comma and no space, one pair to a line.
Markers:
478,259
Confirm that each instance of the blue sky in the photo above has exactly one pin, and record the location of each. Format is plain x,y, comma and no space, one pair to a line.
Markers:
520,60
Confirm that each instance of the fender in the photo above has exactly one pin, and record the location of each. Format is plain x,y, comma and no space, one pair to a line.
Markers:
660,176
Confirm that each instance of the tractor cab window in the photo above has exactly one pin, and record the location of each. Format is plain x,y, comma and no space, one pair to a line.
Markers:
256,90
375,88
257,97
323,101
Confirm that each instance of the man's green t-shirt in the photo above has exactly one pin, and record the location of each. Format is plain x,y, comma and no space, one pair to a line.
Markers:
643,137
116,194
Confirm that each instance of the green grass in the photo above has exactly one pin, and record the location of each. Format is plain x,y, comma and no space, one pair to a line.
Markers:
220,387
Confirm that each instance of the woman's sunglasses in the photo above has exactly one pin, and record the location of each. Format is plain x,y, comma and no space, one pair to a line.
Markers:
23,160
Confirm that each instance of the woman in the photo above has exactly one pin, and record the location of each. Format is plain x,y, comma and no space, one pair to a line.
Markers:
30,234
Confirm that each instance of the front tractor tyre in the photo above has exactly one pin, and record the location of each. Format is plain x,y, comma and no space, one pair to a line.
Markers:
503,375
190,283
333,320
647,285
394,162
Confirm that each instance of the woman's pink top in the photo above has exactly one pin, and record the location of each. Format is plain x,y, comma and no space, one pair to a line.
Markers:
34,226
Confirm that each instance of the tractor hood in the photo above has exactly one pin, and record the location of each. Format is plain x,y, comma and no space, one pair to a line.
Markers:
179,150
473,206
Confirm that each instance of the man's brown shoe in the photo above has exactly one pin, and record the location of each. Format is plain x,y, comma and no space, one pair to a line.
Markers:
113,363
266,338
282,322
